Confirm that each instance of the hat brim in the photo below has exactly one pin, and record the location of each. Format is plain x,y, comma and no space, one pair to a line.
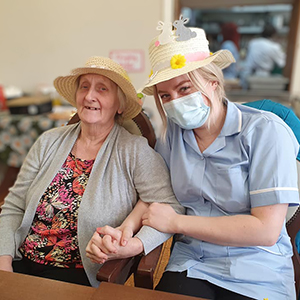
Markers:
222,58
66,87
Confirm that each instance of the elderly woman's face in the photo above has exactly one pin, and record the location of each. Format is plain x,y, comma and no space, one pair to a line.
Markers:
97,99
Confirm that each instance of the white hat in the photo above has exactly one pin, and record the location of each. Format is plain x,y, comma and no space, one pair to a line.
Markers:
177,52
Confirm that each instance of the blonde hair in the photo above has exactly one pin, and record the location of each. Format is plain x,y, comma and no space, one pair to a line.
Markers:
210,72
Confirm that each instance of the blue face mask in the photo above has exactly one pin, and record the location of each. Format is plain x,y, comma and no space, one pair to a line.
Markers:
189,112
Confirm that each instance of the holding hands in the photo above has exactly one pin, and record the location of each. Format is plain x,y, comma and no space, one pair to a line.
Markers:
109,243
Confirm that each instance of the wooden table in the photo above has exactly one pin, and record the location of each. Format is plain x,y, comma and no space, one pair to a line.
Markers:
111,291
14,286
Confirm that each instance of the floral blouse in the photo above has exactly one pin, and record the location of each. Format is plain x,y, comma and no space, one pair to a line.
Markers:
52,239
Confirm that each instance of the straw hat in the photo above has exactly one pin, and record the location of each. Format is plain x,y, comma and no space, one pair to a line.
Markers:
66,85
180,54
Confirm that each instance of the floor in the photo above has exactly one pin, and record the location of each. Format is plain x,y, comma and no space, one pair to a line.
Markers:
163,260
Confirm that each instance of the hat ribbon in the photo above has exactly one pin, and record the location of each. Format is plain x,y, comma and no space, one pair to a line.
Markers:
178,61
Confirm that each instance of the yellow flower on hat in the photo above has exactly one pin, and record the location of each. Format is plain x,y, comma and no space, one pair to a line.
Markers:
177,61
151,73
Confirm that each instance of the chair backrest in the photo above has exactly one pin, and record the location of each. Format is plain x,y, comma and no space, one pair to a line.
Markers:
139,125
293,214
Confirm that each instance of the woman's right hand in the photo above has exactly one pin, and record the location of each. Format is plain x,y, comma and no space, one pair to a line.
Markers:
6,263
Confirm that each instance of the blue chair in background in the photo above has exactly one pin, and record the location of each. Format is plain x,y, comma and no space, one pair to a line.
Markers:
285,113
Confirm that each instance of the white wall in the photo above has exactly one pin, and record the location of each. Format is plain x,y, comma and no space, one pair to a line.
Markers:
167,15
295,86
42,39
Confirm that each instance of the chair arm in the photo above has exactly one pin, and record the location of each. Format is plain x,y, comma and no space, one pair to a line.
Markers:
293,226
146,268
119,270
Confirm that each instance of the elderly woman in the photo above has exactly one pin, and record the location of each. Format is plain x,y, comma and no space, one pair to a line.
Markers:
80,177
232,167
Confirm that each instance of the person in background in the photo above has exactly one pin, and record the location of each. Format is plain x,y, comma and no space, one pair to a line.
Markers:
231,39
234,170
264,55
83,176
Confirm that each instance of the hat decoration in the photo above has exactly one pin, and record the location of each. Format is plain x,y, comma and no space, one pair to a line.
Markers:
177,52
182,32
167,35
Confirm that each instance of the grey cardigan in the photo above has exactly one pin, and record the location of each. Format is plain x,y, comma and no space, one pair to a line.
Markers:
125,168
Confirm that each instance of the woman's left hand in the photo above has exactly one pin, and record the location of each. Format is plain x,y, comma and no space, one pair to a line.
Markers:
160,216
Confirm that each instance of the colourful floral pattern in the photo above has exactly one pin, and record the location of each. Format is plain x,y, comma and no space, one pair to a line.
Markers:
52,239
